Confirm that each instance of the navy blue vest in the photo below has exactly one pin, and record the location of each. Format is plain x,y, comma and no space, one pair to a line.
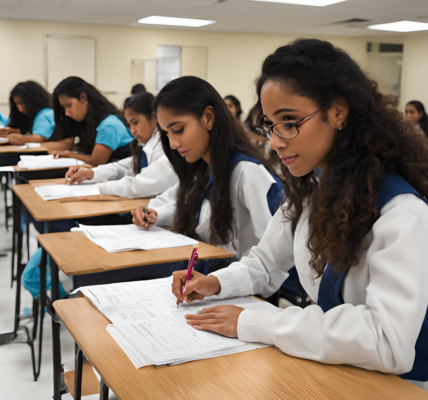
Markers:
331,282
274,195
143,162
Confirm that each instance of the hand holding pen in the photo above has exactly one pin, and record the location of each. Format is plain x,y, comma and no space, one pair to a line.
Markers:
144,217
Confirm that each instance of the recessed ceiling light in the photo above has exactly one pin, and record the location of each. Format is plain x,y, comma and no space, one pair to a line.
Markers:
314,3
401,26
157,20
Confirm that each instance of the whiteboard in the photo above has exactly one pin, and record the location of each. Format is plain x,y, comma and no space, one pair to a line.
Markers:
69,56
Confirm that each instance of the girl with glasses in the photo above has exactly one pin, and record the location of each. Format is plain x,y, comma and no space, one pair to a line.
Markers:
225,195
355,222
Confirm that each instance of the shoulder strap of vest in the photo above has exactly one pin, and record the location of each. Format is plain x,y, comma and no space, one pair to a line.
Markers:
393,185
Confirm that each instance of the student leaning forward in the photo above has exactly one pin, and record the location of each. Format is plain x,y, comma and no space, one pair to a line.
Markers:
355,222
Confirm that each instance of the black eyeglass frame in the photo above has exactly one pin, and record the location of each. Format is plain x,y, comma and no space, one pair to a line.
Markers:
261,129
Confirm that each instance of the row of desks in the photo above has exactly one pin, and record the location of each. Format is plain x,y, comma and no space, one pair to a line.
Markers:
264,373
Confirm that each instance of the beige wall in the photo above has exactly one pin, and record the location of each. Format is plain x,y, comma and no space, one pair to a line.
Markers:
233,61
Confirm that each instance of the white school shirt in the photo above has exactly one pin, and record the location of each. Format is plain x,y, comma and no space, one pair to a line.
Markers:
157,177
249,184
386,294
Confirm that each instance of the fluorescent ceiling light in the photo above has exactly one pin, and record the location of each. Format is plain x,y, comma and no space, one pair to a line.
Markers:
314,3
401,26
157,20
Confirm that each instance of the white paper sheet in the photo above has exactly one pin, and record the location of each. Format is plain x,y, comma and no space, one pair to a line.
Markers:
54,192
130,237
3,139
30,146
7,169
150,330
38,162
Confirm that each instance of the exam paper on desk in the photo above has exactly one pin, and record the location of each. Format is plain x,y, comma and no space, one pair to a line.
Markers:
149,328
130,237
54,192
48,161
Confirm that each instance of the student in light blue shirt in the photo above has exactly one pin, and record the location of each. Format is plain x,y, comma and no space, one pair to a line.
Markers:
31,114
3,120
82,111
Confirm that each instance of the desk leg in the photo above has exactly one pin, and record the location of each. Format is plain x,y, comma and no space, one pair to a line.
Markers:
59,386
103,390
78,369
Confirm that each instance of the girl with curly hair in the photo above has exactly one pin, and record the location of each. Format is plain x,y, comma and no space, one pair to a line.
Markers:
225,195
354,222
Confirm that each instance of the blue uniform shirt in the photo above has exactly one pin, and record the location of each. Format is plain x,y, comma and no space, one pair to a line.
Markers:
112,132
44,123
3,120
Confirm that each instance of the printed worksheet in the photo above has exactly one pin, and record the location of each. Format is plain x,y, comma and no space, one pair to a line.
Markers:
54,192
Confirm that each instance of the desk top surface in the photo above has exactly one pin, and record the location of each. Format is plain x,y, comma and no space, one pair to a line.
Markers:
5,149
75,254
259,374
53,210
18,169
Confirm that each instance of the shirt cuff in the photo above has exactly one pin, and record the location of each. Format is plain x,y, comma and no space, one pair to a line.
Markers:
257,326
103,189
227,284
97,175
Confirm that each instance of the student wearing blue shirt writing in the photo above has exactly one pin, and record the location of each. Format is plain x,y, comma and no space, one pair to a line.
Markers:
31,114
81,110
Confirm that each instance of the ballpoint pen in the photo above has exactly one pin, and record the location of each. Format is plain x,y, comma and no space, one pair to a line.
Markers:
192,260
145,209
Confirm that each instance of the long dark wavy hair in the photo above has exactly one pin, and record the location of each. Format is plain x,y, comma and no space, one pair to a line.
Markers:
98,109
376,140
191,96
141,103
34,97
423,122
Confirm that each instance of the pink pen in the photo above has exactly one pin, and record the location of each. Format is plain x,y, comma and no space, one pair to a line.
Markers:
192,260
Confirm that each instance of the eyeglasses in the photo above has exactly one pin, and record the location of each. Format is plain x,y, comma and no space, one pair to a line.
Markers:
285,129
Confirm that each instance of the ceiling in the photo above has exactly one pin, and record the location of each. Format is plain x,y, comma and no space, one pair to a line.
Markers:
231,15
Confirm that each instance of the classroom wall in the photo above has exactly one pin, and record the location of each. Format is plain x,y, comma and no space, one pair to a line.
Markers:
233,60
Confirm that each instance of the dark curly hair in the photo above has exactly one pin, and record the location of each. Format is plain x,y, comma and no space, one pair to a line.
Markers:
376,140
141,103
99,108
191,96
35,98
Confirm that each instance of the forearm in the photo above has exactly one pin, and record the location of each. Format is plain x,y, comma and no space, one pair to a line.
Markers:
88,158
61,145
33,138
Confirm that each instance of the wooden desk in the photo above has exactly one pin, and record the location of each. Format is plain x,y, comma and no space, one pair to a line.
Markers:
54,210
75,254
12,149
9,154
259,374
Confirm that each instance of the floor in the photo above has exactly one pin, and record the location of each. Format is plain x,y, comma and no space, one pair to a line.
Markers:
16,376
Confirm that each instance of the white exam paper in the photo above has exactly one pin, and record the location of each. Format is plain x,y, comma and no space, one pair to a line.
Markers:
54,192
38,162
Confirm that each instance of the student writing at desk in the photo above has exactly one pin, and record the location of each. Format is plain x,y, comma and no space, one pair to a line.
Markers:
81,110
355,223
31,115
225,195
148,172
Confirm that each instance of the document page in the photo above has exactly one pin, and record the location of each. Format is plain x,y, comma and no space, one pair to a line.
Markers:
151,330
130,237
54,192
38,162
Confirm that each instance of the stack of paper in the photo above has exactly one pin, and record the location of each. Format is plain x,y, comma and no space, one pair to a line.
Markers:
151,331
39,162
115,238
30,146
54,192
